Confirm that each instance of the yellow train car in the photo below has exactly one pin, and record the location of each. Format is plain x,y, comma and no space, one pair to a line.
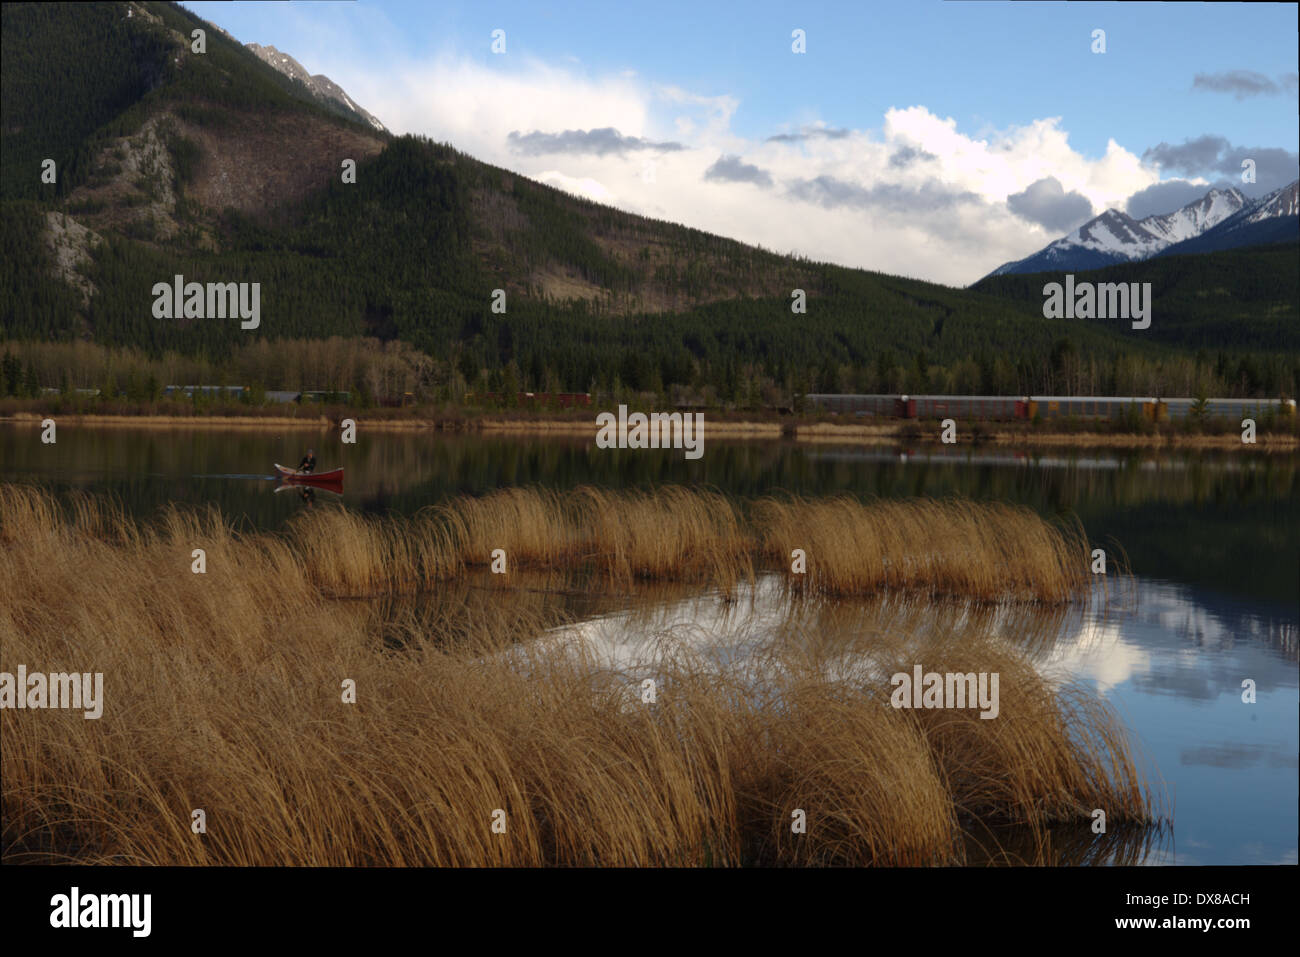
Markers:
1090,407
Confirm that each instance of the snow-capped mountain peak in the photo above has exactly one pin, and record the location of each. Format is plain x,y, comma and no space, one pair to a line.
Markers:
1115,237
1282,202
1195,218
319,84
1111,232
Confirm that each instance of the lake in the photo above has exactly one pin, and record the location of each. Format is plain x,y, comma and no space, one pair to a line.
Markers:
1211,538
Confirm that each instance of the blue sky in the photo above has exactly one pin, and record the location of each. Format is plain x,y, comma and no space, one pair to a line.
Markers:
718,79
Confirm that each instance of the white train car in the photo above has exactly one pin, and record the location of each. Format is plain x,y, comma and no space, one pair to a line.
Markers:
1232,409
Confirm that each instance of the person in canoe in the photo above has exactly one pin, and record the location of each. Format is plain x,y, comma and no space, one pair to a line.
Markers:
308,463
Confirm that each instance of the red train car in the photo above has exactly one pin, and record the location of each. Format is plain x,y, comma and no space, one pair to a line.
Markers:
565,400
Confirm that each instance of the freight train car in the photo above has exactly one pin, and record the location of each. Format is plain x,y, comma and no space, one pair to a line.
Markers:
992,408
208,391
861,406
1090,407
1233,409
962,407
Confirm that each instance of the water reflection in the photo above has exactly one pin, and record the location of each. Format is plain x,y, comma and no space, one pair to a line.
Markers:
1215,520
1211,535
1171,662
1175,667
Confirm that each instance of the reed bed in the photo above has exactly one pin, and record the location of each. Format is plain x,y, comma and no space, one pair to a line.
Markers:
983,551
223,692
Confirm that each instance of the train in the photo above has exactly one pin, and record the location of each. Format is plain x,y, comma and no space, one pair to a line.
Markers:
1227,408
243,392
1027,407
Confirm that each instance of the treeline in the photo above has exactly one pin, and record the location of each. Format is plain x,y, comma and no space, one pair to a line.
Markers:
367,367
374,371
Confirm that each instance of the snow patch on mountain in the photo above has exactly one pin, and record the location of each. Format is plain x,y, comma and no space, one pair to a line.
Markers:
319,83
1195,218
1282,202
1115,237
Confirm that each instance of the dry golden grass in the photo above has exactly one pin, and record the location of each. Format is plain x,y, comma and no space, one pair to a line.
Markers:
223,692
984,551
980,550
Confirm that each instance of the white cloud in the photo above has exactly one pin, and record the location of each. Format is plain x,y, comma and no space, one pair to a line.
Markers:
475,104
474,107
1098,650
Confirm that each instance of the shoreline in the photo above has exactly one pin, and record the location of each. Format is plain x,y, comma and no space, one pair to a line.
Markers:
725,429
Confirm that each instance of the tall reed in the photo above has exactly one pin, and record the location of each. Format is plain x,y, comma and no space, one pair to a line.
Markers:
224,692
986,551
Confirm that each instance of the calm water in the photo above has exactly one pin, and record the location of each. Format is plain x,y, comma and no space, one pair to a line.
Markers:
1212,539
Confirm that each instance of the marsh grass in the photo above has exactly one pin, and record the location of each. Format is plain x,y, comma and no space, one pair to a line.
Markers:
988,552
223,692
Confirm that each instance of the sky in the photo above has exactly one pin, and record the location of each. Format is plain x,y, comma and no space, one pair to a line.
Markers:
936,140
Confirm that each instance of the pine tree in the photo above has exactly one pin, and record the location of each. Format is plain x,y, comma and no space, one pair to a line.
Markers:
31,384
10,373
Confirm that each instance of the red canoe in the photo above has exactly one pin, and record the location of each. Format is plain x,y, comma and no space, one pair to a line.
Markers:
332,477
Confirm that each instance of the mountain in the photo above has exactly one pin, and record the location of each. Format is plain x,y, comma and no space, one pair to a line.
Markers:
222,168
1115,237
1213,208
226,165
1282,202
320,85
1274,218
1246,298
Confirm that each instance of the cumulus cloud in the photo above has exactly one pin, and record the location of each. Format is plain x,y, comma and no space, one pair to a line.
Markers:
1243,83
910,192
1215,156
1046,203
1167,197
602,142
912,195
732,169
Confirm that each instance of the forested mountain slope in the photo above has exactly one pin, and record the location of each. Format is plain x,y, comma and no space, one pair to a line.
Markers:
1241,298
216,167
